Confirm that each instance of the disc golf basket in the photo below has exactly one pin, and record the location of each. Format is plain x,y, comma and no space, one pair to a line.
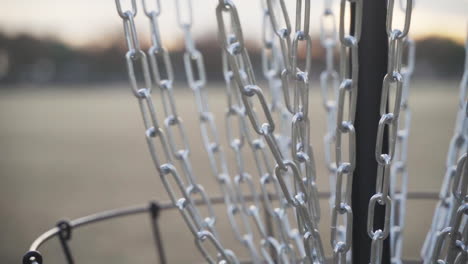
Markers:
366,102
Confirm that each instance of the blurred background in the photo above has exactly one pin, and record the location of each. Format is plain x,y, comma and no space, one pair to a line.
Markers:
72,139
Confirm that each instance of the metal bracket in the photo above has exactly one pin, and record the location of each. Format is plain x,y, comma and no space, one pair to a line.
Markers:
64,234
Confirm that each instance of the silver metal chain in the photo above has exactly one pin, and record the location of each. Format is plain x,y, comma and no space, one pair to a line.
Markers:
282,126
194,64
399,167
236,108
179,193
233,195
291,72
235,202
329,84
455,236
450,198
389,117
272,64
173,123
239,63
341,236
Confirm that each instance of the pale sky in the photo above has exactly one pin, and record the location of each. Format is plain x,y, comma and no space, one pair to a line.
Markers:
79,22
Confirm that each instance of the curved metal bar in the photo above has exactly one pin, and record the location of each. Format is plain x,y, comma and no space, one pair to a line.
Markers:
98,217
145,208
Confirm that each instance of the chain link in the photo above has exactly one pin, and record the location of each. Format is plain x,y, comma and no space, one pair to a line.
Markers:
398,170
236,109
272,62
210,137
282,125
454,182
329,83
180,194
239,62
301,150
388,118
454,238
341,234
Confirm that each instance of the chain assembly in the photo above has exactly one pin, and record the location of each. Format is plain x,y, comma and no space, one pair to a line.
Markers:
194,58
340,237
233,196
238,62
173,121
180,194
272,63
389,117
273,207
398,169
329,84
455,236
452,196
274,126
236,108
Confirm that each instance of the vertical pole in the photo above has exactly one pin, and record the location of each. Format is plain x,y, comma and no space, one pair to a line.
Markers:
154,210
373,52
64,234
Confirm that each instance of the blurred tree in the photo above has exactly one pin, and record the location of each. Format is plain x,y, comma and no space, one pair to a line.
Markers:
32,60
439,58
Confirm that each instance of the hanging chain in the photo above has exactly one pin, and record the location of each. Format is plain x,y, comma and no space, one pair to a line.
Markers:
449,200
389,117
181,196
399,170
272,64
455,236
239,62
298,75
293,178
196,79
173,123
341,241
237,110
235,202
236,114
329,84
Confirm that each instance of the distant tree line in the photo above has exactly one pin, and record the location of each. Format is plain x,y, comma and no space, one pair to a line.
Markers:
26,59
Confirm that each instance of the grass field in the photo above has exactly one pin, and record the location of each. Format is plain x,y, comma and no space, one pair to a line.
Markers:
67,153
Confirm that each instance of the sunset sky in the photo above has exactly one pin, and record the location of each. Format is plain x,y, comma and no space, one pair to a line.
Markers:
95,21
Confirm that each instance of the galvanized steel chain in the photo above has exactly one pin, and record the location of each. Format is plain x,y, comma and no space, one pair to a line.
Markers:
449,197
399,168
293,177
389,117
272,65
233,196
329,84
297,72
454,238
239,62
196,79
172,119
180,194
237,110
340,238
236,136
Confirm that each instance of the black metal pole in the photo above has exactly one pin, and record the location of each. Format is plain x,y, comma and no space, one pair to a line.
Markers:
64,234
155,210
373,50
